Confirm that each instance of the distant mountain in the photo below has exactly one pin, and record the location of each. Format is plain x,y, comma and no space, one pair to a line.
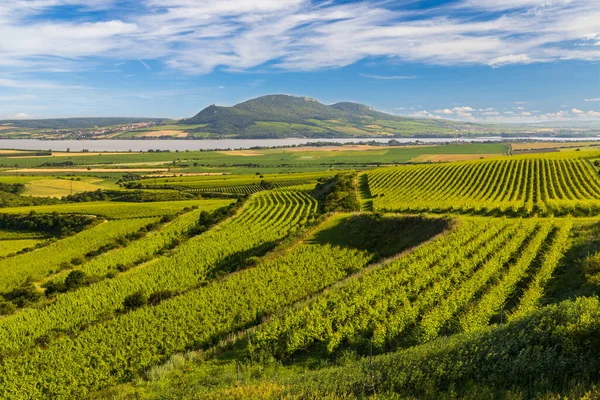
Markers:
75,123
290,116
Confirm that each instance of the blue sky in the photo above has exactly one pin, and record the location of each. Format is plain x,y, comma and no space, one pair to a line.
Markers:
473,60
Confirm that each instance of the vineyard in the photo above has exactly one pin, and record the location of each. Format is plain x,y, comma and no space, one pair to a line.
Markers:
463,279
554,186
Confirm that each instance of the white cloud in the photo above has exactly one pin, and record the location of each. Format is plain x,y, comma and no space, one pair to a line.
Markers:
425,114
18,116
593,99
36,85
199,36
462,109
511,59
518,114
520,102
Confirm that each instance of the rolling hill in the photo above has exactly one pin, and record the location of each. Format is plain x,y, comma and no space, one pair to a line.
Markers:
290,116
74,123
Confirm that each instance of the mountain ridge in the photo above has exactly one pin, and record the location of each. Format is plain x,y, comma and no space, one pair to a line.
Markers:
281,115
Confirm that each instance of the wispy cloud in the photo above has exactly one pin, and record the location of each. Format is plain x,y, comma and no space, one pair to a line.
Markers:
593,99
198,37
145,65
388,77
37,85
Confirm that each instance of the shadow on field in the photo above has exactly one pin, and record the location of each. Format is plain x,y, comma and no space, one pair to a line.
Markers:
569,280
381,235
240,260
365,192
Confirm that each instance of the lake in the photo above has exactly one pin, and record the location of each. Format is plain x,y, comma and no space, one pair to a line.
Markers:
223,144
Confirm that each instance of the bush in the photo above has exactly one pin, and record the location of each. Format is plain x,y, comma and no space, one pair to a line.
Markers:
75,279
160,295
53,287
134,301
23,295
6,307
78,261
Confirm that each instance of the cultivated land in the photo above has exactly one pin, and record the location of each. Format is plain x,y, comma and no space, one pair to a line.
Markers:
455,271
277,116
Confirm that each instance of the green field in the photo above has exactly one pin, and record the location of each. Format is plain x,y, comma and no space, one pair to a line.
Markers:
302,274
284,159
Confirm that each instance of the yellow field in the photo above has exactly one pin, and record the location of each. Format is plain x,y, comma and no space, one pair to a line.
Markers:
57,187
451,157
164,133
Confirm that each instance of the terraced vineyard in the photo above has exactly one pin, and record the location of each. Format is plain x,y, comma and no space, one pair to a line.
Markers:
234,184
186,268
521,186
285,288
470,275
253,188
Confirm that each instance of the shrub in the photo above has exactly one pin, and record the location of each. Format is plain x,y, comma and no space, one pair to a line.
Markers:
134,301
6,307
75,279
160,295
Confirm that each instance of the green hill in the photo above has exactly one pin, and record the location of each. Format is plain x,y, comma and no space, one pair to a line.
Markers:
290,116
75,123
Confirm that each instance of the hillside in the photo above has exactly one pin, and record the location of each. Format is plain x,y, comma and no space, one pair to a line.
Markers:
74,123
343,278
290,116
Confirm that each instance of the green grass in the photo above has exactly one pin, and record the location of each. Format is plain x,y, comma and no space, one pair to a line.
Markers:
8,247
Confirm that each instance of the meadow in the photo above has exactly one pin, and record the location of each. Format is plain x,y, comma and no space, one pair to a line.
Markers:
455,271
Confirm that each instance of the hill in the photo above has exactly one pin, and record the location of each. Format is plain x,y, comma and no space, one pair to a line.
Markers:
75,123
280,115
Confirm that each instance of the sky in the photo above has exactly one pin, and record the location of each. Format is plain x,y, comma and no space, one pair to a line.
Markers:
472,60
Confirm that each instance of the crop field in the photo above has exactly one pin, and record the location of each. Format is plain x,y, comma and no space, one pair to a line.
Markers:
235,183
436,280
113,210
57,188
299,159
12,246
544,186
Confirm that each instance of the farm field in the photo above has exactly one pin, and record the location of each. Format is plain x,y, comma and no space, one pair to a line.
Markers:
423,272
250,161
554,185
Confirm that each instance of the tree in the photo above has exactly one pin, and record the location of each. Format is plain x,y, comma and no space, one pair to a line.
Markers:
75,279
